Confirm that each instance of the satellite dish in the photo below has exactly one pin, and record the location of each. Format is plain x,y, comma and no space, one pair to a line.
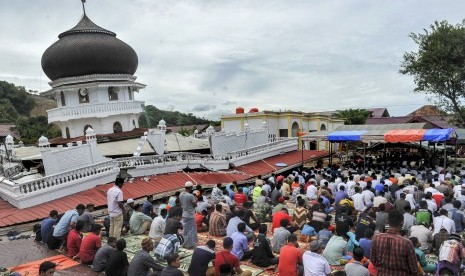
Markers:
83,92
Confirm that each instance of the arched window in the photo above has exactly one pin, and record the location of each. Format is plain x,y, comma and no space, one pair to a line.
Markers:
67,133
130,93
83,95
113,93
295,129
62,98
322,127
117,127
86,127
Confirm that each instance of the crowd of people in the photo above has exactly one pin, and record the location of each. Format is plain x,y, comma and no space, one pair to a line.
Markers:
352,221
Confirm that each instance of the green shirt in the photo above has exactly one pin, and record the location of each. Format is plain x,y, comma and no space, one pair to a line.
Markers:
335,250
137,218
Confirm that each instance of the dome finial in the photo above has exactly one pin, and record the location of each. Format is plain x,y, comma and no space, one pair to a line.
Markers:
83,7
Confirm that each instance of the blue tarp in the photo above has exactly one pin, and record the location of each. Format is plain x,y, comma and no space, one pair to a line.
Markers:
353,135
436,135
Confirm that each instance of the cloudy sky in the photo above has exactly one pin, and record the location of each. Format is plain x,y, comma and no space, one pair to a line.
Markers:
210,56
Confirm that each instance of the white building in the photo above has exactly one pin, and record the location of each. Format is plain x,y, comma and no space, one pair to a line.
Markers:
92,80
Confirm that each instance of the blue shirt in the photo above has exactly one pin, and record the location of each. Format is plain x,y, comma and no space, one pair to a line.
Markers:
62,226
352,242
326,201
240,245
308,230
324,235
46,227
365,244
232,226
340,195
147,208
379,187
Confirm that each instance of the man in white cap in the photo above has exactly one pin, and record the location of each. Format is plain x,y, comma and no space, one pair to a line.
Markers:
188,203
127,212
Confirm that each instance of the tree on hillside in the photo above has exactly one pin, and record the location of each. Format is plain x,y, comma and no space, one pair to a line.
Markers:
438,67
153,115
34,127
18,97
353,116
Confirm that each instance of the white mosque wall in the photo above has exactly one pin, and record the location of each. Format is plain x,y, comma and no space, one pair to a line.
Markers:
232,125
62,159
156,138
221,144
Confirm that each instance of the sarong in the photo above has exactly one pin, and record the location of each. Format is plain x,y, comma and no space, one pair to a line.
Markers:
189,232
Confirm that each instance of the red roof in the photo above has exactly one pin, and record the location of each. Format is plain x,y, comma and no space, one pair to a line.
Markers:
156,184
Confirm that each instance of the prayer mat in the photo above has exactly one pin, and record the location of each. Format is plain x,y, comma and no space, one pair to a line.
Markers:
32,268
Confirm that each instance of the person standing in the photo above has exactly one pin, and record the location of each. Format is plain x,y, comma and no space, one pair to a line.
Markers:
392,254
115,208
188,203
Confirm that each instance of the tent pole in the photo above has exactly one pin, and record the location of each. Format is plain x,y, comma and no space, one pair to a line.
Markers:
330,153
455,156
364,156
445,155
434,155
384,155
421,154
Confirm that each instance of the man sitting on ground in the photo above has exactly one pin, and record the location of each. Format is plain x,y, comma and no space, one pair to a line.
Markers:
314,263
103,254
46,226
90,244
241,243
74,240
201,258
290,258
139,222
225,261
142,262
356,268
217,223
170,243
263,256
157,228
173,266
280,236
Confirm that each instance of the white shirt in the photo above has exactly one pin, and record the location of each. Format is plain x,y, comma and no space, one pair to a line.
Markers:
378,200
362,184
315,264
432,205
443,222
157,228
312,192
411,200
359,202
368,196
350,184
114,195
432,190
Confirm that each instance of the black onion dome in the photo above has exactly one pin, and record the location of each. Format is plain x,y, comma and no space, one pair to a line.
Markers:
88,49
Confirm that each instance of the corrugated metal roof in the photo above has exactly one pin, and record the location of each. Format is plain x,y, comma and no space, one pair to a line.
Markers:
156,184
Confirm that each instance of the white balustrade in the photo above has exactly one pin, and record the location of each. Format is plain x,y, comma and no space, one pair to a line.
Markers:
98,110
262,148
51,181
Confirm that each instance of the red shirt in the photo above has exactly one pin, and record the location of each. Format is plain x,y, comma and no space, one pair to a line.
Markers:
277,217
437,198
73,243
289,257
239,198
199,220
220,260
89,246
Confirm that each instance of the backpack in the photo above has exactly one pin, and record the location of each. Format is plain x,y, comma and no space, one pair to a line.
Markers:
423,215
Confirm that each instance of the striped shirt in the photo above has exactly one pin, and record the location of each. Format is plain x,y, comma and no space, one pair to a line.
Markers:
168,244
393,254
217,224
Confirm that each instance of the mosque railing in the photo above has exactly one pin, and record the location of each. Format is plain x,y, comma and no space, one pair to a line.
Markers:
184,157
96,110
84,173
263,148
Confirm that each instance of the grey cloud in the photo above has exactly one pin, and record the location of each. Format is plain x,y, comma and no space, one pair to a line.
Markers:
203,107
